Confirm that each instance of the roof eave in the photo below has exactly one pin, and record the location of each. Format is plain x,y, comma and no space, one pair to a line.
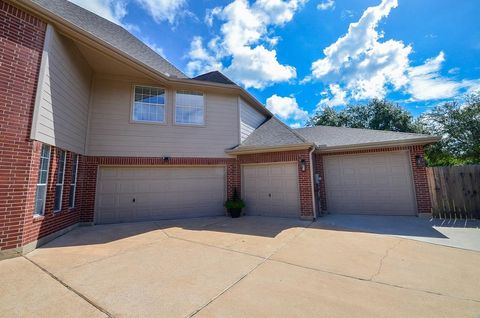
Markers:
381,144
256,149
53,18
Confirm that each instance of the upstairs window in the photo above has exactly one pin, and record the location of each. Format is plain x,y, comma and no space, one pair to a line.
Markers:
149,104
41,192
189,108
60,178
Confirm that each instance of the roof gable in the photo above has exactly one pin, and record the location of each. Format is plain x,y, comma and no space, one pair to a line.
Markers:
271,134
215,77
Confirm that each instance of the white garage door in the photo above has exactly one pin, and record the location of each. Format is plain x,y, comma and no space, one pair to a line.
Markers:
379,183
130,194
271,190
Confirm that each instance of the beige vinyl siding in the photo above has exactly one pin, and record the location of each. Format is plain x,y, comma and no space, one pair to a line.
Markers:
61,109
112,133
250,119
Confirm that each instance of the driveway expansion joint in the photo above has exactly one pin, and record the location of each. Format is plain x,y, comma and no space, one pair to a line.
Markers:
70,288
249,272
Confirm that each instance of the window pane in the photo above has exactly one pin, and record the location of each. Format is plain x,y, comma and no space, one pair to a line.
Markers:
148,112
58,197
40,199
71,196
60,166
189,108
42,180
74,168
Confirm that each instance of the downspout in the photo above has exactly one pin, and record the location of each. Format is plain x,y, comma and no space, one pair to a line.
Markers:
312,179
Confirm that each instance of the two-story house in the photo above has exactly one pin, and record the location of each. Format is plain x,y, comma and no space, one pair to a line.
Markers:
98,128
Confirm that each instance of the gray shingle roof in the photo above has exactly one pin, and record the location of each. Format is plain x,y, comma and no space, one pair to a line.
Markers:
215,77
341,136
271,133
110,33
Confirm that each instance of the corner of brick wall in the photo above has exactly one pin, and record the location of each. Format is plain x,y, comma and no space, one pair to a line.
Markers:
21,44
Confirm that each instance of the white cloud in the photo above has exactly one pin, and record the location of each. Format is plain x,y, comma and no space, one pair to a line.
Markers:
241,43
296,125
211,14
286,108
454,71
325,5
164,10
426,83
200,60
338,97
359,65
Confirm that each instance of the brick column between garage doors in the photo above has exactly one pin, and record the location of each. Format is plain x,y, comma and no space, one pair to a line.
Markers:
422,194
304,177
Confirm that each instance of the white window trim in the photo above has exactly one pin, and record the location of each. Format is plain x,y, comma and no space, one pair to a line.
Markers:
74,184
152,122
189,124
64,153
46,182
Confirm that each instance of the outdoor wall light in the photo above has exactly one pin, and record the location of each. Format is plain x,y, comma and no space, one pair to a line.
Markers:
303,165
420,161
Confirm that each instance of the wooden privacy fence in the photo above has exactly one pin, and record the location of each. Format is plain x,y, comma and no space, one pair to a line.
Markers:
455,191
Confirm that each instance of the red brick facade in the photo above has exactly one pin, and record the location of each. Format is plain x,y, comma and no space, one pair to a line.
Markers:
419,175
305,178
21,43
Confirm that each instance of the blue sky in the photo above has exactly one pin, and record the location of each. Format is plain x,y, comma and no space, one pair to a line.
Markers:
298,56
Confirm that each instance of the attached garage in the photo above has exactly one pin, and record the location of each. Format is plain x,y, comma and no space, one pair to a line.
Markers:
271,189
132,194
376,183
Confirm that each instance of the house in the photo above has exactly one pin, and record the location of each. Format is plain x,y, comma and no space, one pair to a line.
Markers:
98,128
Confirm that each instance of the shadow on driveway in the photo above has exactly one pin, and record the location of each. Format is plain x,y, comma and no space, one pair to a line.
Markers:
267,227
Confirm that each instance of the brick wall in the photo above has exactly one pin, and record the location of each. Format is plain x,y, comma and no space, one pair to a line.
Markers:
91,165
21,44
419,175
305,184
422,193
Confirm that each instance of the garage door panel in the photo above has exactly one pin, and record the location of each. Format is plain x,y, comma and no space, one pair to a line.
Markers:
378,183
271,190
159,192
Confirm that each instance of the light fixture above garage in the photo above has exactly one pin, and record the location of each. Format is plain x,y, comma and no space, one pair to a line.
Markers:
303,165
420,161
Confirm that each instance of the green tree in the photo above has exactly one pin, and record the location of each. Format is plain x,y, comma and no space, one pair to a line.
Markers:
459,125
377,114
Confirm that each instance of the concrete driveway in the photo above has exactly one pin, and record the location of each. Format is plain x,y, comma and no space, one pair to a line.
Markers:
247,267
